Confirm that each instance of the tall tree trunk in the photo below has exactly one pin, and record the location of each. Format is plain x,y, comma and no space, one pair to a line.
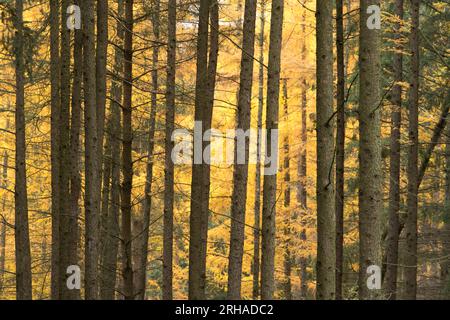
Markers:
127,164
390,278
167,293
370,170
198,221
112,231
445,267
240,174
301,186
270,180
326,229
55,75
413,150
340,147
92,197
4,185
257,207
65,255
22,238
287,263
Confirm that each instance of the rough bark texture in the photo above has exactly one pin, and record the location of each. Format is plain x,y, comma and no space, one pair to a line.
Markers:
340,147
326,228
55,75
240,173
370,170
22,238
92,197
390,277
257,207
412,168
198,221
4,184
287,258
445,267
270,181
168,165
127,164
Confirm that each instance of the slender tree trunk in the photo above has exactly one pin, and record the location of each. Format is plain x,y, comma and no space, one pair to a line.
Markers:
22,238
301,186
65,254
92,197
445,266
257,208
55,75
287,263
199,218
340,147
412,169
390,278
3,224
111,227
326,228
270,181
168,165
370,170
240,174
127,164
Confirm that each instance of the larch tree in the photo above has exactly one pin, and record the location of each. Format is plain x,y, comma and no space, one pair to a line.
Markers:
325,268
168,164
370,170
21,227
390,277
127,163
257,205
241,151
412,170
270,179
92,172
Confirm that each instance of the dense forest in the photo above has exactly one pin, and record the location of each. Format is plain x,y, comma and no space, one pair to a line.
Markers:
224,149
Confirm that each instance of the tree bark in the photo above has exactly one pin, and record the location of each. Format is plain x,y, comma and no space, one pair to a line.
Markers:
127,164
92,172
198,220
22,238
55,75
270,181
240,173
3,224
257,207
340,147
326,228
412,167
390,278
168,165
370,170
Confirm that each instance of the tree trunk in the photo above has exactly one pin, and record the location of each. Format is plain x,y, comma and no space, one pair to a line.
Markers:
287,263
4,185
257,208
326,229
240,174
127,164
340,147
270,181
445,266
168,165
112,231
390,278
412,168
370,170
301,169
198,221
22,238
55,75
92,197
